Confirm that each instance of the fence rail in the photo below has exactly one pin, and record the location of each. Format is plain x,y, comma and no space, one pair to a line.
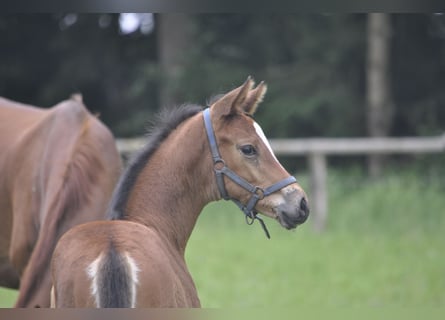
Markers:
355,146
318,149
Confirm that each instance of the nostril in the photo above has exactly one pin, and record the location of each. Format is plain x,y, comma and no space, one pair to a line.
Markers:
304,206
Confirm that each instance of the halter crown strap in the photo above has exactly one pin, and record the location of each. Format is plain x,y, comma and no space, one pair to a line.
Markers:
217,160
211,136
221,169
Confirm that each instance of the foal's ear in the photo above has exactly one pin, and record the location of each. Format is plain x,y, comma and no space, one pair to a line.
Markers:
234,101
254,98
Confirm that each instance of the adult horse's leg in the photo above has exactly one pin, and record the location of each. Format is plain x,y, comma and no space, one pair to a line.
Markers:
8,276
36,281
23,234
23,242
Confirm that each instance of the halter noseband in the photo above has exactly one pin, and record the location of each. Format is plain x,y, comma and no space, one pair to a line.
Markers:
220,168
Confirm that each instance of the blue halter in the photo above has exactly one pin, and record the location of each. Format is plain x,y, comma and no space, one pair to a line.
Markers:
257,193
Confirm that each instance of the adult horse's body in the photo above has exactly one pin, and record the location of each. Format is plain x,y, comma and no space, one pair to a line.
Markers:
58,168
137,258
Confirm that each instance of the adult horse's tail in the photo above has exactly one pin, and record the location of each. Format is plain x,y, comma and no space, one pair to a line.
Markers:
114,276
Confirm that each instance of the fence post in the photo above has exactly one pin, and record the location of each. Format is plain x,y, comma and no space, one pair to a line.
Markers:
318,183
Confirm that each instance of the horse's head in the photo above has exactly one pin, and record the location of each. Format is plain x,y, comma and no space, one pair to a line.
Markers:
245,152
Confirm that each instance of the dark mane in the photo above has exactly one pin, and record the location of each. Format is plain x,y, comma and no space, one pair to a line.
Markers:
166,122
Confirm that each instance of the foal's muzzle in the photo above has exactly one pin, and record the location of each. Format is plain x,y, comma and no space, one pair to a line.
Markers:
293,211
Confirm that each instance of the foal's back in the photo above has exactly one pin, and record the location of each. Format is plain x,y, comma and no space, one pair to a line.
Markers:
107,265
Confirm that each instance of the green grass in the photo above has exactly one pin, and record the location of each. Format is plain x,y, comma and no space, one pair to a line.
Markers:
7,297
236,267
383,246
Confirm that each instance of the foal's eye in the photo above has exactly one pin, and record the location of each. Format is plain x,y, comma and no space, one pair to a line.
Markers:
248,150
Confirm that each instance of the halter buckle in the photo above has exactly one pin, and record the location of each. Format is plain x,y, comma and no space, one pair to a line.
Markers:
259,193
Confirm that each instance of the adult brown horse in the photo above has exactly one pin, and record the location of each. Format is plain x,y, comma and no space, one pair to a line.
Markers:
58,168
137,258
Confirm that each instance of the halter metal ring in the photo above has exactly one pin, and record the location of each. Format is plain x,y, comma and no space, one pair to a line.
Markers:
249,219
219,165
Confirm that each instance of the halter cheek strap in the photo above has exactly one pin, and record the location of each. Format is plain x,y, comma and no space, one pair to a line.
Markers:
220,168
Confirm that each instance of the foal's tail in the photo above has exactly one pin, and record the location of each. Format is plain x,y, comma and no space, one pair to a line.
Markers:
114,276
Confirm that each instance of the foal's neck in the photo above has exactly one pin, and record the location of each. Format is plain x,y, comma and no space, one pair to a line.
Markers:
175,185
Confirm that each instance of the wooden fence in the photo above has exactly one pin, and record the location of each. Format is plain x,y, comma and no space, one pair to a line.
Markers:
318,149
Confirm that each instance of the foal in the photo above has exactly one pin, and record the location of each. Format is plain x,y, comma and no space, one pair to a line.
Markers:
137,258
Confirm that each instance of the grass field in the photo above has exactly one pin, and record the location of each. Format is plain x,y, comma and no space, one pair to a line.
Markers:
383,247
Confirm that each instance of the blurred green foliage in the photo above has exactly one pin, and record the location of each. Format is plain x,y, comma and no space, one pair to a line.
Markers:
314,65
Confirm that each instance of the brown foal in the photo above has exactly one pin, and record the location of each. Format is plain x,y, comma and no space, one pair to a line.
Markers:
137,258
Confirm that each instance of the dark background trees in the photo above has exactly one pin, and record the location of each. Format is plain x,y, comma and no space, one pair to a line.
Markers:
315,65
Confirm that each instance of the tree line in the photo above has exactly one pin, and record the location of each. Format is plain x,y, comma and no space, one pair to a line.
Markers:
319,68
